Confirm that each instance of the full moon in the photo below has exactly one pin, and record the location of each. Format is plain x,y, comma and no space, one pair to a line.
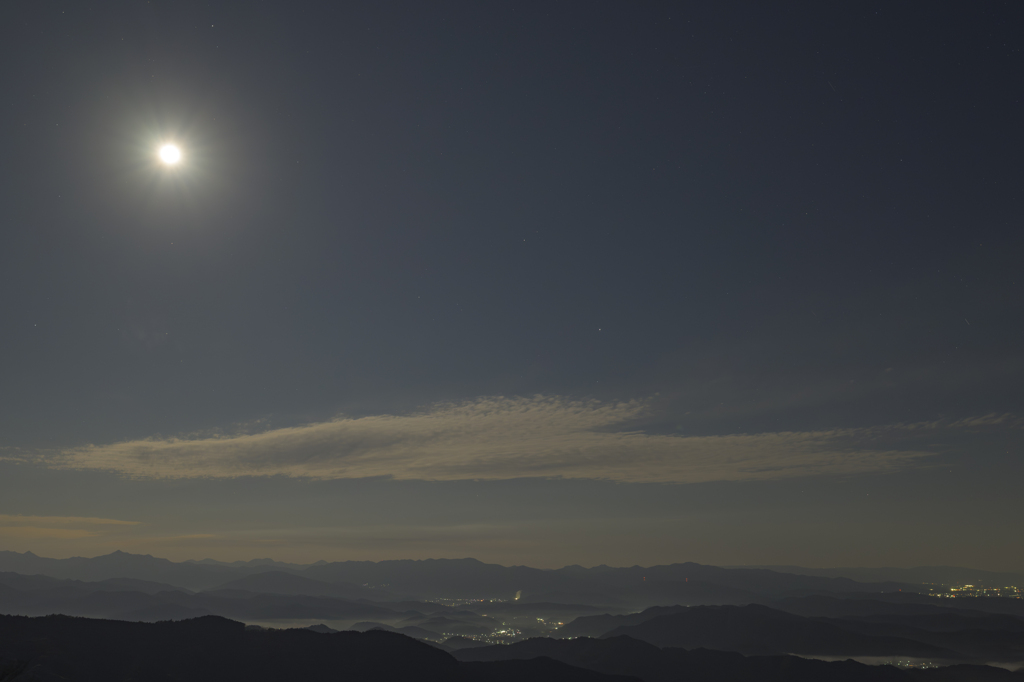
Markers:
170,154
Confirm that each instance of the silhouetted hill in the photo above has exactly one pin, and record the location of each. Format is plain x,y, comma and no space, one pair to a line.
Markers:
82,600
216,649
120,565
627,656
964,636
835,607
446,578
761,581
407,630
900,600
41,582
455,615
595,626
623,655
926,626
537,669
253,564
280,582
455,643
966,673
621,588
542,609
452,626
619,655
756,629
951,622
649,592
969,633
990,643
948,575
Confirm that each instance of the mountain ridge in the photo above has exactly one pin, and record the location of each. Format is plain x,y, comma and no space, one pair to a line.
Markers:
431,579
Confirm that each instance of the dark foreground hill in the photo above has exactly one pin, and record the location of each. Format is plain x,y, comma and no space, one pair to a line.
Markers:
212,649
631,657
878,629
759,630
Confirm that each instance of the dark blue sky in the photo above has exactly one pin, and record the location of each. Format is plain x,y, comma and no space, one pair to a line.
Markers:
412,245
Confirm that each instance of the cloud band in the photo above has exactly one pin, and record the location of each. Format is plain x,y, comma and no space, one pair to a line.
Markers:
499,438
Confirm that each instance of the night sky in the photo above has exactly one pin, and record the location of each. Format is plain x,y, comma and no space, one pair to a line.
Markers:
537,283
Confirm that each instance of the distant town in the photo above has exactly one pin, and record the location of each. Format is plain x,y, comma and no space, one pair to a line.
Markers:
953,591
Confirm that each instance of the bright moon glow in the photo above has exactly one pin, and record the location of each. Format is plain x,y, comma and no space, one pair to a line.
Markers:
170,154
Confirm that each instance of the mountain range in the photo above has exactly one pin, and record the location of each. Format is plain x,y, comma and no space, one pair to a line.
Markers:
623,655
923,575
63,648
54,648
632,587
753,612
866,628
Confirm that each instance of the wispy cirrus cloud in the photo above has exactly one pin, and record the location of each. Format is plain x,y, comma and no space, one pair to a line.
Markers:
44,533
6,519
504,438
17,526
